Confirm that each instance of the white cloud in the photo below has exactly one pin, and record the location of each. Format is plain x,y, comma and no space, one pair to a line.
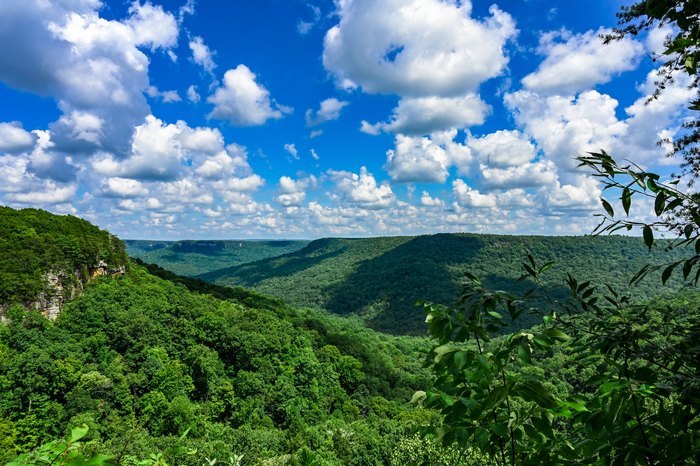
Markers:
89,64
526,175
314,154
304,27
566,127
579,62
51,193
329,110
14,139
152,26
166,96
425,115
426,159
293,192
161,151
469,197
125,187
415,47
192,94
362,189
201,54
292,150
503,148
242,101
428,201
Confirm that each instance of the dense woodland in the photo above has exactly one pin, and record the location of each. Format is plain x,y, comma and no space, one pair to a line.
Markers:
33,242
154,370
381,279
192,258
141,360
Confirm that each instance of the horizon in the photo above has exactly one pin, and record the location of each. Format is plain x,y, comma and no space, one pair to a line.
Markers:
312,118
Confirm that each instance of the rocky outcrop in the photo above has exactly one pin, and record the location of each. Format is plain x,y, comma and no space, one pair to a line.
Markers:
61,288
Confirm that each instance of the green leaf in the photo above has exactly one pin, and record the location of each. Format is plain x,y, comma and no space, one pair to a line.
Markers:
495,315
608,208
556,334
626,200
660,203
78,432
418,397
531,390
648,236
666,274
524,353
443,350
547,266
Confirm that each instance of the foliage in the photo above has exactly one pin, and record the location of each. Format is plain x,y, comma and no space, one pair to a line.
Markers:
380,279
142,360
191,258
682,56
640,398
678,213
33,242
62,452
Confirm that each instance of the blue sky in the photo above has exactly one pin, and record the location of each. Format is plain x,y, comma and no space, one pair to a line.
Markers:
310,118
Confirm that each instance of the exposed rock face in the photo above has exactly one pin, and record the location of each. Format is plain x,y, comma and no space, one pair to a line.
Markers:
61,288
50,301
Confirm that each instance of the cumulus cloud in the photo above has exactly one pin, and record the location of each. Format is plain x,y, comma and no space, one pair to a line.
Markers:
161,151
565,127
425,115
362,189
14,139
293,192
503,148
51,193
201,54
526,175
242,101
329,109
89,64
467,196
428,201
192,94
578,62
124,187
398,46
426,159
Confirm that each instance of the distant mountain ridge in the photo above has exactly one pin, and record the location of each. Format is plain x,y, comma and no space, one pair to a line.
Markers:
382,278
194,257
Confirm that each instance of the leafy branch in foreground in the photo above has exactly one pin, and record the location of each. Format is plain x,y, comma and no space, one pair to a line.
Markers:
603,380
678,213
62,452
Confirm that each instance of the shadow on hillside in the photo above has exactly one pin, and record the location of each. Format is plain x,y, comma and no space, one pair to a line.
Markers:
252,274
385,289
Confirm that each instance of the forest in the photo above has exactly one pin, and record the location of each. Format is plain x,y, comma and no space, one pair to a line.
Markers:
381,279
192,258
532,350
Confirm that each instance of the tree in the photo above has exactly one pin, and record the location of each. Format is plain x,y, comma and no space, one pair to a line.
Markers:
682,55
640,403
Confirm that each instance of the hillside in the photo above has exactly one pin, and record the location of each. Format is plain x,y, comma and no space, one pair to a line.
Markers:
192,258
45,258
380,279
141,361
